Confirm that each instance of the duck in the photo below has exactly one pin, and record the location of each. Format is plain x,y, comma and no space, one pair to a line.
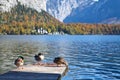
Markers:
19,61
59,61
39,57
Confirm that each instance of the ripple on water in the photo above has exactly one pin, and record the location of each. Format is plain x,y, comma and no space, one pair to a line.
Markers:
89,57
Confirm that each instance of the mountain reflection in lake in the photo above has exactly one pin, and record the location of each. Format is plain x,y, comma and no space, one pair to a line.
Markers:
89,57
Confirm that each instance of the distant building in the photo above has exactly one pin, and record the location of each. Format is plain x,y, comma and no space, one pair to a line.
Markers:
38,31
42,31
45,32
55,33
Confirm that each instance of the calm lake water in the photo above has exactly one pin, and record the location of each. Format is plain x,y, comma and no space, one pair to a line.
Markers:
89,57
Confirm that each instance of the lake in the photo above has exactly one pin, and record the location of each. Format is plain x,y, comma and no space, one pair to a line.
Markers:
90,57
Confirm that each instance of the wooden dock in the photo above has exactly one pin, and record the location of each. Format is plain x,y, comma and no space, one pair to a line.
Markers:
35,72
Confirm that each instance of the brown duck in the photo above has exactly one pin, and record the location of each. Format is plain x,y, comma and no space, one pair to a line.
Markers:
59,61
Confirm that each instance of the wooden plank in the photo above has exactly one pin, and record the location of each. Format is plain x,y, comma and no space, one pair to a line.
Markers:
34,72
42,69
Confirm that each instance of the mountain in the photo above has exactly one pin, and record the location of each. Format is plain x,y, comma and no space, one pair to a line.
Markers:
103,11
21,12
72,11
6,5
24,20
60,9
21,19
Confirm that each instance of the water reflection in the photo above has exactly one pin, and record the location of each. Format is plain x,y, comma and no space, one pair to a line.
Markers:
89,57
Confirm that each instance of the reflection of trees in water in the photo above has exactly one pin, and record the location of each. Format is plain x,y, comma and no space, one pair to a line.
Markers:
25,48
10,50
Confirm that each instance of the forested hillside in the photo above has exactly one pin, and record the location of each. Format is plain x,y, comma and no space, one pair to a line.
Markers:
23,20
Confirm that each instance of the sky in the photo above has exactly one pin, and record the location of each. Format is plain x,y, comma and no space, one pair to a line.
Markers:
96,0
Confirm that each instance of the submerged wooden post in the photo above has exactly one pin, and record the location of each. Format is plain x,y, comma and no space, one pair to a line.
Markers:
34,72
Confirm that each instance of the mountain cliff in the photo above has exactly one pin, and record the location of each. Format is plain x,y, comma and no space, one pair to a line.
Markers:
103,11
85,11
7,5
59,9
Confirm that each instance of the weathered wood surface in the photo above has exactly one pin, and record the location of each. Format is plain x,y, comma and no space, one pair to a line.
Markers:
34,72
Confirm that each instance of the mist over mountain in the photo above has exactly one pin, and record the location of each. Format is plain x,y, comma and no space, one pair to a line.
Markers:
72,11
